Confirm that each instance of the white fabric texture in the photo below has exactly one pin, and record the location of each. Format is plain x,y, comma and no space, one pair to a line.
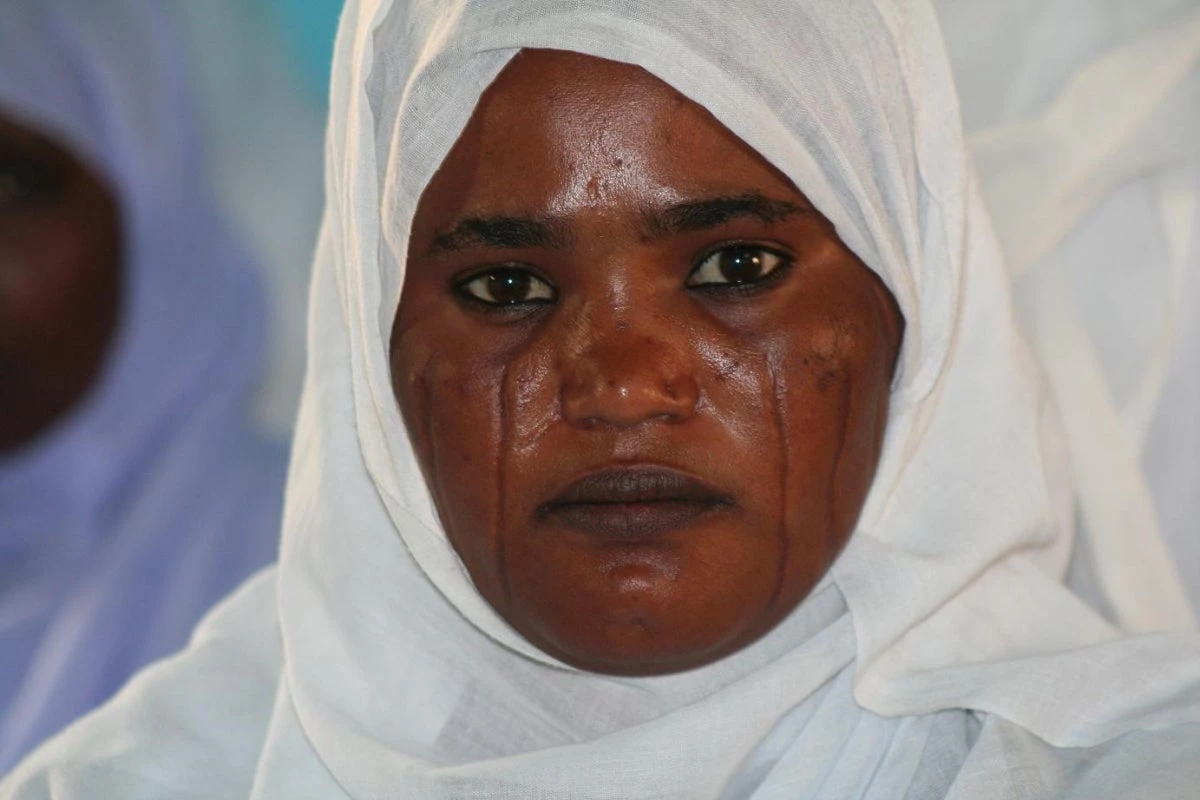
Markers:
942,656
1084,119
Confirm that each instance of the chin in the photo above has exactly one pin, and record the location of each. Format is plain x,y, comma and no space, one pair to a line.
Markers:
641,642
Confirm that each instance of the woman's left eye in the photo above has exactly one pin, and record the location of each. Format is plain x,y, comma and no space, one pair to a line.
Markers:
736,266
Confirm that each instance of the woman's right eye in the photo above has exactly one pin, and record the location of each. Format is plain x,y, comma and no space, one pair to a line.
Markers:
507,286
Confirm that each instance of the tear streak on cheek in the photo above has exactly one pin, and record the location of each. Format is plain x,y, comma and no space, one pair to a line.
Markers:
845,403
776,403
835,378
503,420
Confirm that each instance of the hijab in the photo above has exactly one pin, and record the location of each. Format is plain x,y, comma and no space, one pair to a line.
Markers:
154,498
941,653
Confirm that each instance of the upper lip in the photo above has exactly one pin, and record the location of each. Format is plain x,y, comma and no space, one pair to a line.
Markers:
637,484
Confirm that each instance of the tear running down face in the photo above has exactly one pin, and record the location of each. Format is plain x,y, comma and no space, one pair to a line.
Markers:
646,381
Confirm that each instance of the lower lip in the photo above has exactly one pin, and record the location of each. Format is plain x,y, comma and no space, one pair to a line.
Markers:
631,520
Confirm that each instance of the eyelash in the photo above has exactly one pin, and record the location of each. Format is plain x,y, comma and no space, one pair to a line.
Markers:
785,262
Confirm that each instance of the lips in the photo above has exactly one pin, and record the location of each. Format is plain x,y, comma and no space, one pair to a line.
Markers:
633,502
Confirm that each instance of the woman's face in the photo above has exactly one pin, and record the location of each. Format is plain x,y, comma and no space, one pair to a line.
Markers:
646,382
59,282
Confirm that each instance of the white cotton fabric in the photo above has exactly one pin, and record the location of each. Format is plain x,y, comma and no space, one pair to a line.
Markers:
942,656
1084,119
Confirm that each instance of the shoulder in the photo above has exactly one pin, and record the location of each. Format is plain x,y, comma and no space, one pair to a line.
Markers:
1009,761
188,727
1159,765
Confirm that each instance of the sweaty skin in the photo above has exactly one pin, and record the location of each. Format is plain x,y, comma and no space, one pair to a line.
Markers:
646,381
59,282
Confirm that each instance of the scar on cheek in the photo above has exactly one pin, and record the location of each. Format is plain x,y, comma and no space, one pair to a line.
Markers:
826,380
728,367
531,395
829,353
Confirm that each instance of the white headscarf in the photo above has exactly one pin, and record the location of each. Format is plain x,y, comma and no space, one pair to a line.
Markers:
368,666
128,519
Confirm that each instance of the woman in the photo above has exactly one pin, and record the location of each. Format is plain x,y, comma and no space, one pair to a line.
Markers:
134,492
627,319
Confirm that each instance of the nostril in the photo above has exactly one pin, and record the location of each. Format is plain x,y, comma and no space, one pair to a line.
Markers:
629,402
627,382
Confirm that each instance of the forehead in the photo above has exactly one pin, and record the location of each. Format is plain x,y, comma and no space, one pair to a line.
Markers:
570,131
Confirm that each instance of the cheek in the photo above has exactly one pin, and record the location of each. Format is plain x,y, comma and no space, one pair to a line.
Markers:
471,412
832,387
59,278
60,285
741,390
449,405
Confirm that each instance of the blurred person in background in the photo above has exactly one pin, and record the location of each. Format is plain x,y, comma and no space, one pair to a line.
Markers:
134,490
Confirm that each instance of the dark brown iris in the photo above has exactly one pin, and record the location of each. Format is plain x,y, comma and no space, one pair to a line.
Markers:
510,286
741,265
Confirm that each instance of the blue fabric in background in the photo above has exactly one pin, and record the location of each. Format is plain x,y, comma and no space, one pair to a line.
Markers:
309,27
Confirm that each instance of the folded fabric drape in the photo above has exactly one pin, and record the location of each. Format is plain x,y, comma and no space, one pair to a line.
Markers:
1084,120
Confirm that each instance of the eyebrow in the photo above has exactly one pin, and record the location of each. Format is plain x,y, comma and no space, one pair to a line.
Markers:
511,233
514,233
713,212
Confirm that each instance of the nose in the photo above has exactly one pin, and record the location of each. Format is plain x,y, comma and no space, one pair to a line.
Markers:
626,379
